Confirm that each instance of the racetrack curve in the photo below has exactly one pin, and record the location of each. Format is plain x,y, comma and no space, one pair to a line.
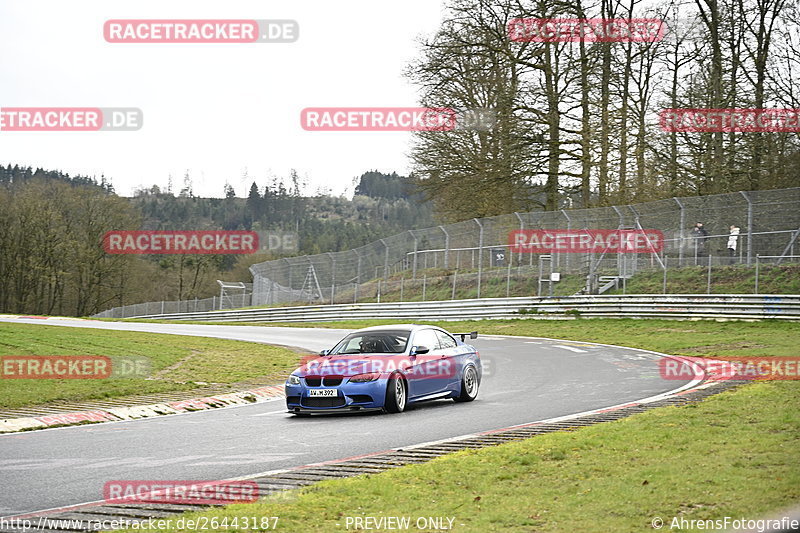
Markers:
525,380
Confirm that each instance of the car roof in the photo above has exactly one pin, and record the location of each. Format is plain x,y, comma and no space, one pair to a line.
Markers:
396,327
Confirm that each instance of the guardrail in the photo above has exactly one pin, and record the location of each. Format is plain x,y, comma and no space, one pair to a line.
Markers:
676,306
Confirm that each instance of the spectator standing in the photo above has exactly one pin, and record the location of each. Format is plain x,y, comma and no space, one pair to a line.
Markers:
699,234
733,241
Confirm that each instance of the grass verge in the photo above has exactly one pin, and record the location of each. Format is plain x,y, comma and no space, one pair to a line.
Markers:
177,362
735,454
726,279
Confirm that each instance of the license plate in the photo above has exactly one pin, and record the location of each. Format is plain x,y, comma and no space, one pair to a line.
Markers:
324,393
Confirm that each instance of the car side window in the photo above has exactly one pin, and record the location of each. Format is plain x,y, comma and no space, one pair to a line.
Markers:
353,345
426,337
445,340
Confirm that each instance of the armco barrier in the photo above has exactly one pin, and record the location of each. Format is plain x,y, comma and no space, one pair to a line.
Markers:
677,306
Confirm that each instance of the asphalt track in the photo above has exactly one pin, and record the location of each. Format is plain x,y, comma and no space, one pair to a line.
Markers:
526,380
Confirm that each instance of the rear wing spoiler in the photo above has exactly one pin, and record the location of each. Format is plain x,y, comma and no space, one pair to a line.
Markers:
471,335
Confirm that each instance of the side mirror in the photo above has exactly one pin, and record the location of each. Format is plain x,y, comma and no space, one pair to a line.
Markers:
419,350
324,352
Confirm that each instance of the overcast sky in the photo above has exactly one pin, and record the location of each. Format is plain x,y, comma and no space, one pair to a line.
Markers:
216,110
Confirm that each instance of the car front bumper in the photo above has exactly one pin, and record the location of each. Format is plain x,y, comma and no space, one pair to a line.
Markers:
367,396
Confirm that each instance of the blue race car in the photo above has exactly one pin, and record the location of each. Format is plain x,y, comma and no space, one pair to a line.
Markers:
386,368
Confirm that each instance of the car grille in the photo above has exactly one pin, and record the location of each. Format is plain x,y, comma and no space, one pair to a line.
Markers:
327,381
323,402
293,399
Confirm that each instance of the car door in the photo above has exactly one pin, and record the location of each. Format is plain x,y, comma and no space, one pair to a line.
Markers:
451,359
422,380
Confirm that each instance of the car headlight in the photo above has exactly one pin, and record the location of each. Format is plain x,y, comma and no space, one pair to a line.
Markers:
363,378
294,380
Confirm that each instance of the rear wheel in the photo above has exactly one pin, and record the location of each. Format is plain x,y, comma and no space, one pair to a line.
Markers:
396,395
469,385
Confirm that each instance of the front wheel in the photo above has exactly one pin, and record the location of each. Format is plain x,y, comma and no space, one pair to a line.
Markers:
469,385
395,394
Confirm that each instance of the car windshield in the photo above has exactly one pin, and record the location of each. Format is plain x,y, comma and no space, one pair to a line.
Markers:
373,342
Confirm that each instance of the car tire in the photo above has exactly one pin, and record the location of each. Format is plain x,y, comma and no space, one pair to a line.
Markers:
396,394
469,385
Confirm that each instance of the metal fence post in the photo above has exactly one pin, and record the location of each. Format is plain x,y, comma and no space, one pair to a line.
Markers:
508,274
521,227
708,284
289,274
682,225
358,266
455,273
621,270
749,227
414,260
333,276
757,264
424,286
664,283
569,227
446,247
385,260
480,254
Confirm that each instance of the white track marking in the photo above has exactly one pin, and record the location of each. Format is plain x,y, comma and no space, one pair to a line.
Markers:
570,348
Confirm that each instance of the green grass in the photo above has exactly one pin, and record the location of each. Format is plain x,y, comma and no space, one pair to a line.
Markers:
728,279
734,454
178,363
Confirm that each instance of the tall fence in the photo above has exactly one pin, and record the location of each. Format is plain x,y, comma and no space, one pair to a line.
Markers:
215,303
476,252
472,259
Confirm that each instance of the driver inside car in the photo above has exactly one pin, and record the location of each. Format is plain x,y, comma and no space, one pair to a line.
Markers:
371,345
